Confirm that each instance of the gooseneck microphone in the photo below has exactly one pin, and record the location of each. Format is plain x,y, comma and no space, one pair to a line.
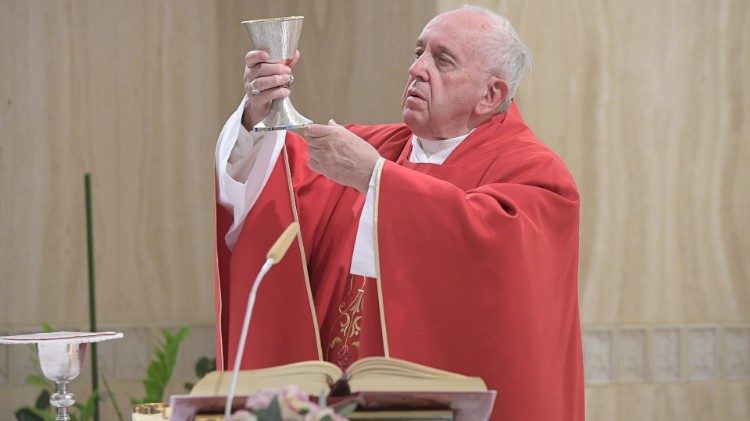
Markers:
275,253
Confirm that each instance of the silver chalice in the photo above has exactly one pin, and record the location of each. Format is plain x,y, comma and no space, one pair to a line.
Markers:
61,362
279,37
61,356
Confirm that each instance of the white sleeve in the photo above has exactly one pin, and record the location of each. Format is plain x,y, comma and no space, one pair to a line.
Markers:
363,255
264,149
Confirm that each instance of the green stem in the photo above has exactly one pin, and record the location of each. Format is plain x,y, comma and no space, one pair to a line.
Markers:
112,397
92,292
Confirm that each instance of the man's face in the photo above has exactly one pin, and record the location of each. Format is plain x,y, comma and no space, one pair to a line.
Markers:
446,79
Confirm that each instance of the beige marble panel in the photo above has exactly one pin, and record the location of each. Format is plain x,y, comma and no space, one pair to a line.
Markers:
128,92
707,401
648,104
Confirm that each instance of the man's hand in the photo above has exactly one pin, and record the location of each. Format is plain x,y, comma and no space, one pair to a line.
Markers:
341,155
264,81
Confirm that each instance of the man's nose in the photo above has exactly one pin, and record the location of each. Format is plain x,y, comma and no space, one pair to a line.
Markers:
418,69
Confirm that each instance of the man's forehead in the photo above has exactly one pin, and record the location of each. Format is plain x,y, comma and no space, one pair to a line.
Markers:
454,26
453,34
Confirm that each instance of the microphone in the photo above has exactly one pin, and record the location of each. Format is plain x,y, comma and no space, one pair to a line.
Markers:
275,253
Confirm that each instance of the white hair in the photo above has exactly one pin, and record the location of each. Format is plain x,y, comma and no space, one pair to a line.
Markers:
505,53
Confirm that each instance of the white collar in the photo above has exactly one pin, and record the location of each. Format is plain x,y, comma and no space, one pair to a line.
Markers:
426,151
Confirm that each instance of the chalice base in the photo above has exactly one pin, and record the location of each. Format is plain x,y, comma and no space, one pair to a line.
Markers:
282,116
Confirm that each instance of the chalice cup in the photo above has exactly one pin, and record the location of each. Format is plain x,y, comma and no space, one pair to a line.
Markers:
61,362
279,38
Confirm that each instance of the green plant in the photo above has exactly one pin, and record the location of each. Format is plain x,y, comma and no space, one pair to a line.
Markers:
160,369
111,394
203,366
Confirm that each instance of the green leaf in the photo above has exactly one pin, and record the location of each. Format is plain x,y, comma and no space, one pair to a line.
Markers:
33,354
271,413
28,413
25,414
160,368
42,401
38,381
47,328
153,392
204,366
111,396
347,409
81,413
86,411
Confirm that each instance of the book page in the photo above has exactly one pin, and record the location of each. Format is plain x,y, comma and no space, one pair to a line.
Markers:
391,374
313,377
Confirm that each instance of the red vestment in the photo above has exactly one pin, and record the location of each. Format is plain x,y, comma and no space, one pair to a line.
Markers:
477,265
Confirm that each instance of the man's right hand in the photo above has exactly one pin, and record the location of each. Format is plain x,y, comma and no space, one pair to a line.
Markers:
265,81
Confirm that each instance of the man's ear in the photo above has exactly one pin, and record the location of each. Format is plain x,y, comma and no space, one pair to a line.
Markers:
497,91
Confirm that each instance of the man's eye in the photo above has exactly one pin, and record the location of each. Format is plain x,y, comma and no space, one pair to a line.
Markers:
417,54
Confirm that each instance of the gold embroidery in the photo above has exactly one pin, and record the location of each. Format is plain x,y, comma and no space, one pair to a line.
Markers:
302,254
344,343
379,279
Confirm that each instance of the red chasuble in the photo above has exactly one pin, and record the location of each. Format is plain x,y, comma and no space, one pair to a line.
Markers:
477,264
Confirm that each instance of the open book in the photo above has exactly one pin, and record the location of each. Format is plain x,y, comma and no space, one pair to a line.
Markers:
367,374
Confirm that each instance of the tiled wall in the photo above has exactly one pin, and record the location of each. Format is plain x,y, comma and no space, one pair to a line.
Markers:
687,353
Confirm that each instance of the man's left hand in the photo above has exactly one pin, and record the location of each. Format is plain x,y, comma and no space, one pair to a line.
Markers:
340,155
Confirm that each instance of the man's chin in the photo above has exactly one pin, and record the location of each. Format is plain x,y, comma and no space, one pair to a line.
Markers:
415,124
409,118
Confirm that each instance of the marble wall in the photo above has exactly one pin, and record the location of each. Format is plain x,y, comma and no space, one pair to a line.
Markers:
645,101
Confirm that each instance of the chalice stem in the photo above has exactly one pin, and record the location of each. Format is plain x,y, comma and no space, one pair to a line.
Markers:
62,399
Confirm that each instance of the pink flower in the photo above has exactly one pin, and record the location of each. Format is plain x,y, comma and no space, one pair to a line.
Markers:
294,404
260,399
243,415
293,400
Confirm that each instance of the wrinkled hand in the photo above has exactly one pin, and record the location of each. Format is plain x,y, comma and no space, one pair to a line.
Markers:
265,81
341,155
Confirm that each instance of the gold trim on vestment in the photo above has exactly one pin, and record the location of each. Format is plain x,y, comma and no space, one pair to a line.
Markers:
302,254
217,278
378,172
219,327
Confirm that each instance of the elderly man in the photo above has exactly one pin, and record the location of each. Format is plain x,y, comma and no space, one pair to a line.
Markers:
450,240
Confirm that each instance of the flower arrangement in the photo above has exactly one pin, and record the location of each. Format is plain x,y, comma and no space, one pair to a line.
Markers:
288,404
